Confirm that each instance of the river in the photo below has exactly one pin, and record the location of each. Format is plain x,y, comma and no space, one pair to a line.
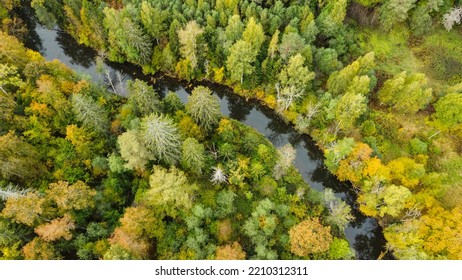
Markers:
364,234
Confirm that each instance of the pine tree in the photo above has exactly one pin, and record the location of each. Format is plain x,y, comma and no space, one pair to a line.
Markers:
90,113
143,97
193,156
204,108
161,137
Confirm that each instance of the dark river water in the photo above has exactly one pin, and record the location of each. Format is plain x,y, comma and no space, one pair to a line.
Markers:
364,234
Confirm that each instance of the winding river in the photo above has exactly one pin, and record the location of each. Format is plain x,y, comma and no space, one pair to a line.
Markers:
364,234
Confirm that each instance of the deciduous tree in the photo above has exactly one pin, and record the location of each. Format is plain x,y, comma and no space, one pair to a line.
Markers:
38,249
9,77
406,93
448,111
189,38
308,237
293,81
77,196
19,161
170,190
133,150
230,252
25,209
254,35
240,60
56,229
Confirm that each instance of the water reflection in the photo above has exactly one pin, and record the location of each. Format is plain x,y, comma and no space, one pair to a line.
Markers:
34,41
364,234
82,55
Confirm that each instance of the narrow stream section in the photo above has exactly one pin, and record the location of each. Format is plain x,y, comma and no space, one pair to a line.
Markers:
364,234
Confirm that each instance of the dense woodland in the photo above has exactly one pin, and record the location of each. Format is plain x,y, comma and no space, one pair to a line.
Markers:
87,174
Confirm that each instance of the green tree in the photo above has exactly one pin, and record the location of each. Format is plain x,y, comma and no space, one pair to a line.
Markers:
330,20
172,103
143,97
9,77
7,105
338,151
19,161
406,93
262,225
340,250
293,81
234,29
90,113
240,60
291,44
204,108
161,137
170,190
193,156
126,36
384,200
154,20
351,106
448,110
254,35
190,40
395,11
326,60
133,150
340,81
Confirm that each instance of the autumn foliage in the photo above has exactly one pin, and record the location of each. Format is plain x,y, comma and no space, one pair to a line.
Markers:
308,237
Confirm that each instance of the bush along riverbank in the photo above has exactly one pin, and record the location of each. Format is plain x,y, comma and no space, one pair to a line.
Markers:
381,125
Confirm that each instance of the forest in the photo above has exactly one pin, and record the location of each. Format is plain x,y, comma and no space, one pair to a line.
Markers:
88,174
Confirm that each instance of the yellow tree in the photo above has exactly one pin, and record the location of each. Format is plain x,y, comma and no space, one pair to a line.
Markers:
189,38
351,168
309,236
77,196
25,209
406,171
435,235
230,252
